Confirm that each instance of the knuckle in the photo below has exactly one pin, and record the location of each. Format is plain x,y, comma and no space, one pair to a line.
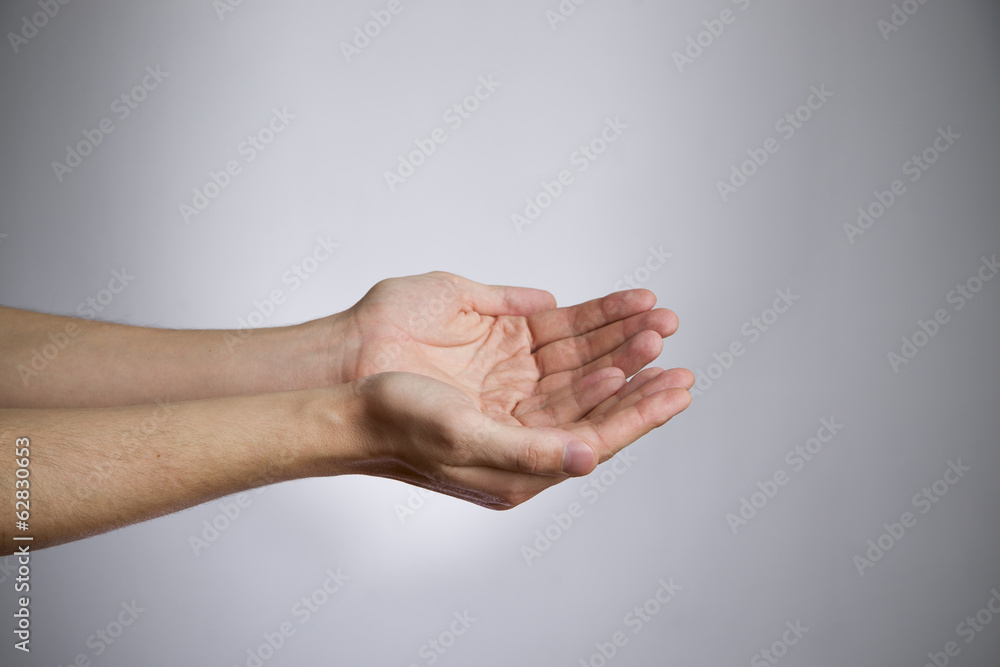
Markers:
531,458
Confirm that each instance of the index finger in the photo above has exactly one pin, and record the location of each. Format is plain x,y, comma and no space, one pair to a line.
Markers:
495,300
629,420
559,323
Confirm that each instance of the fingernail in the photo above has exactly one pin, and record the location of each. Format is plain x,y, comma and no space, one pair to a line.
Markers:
578,458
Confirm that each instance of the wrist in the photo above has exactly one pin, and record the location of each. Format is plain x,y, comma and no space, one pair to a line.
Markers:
304,356
332,338
329,424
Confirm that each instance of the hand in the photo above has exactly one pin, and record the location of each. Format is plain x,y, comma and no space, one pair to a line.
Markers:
428,433
508,349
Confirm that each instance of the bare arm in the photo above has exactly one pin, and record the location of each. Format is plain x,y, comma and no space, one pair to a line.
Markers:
94,470
50,361
486,393
98,469
431,324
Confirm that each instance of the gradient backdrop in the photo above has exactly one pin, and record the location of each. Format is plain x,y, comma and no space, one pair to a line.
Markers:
831,497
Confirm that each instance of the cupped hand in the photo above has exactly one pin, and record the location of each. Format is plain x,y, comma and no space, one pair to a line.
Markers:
508,350
429,433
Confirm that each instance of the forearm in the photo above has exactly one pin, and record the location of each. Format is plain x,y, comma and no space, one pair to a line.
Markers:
94,470
49,361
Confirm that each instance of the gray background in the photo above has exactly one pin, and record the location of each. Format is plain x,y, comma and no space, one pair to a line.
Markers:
665,517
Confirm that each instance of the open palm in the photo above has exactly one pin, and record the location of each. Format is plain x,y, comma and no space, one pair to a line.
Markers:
510,350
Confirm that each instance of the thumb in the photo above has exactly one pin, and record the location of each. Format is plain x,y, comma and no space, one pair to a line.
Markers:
538,451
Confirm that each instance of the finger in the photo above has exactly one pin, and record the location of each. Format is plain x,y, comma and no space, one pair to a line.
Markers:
626,423
549,452
558,323
577,351
631,356
639,380
681,377
570,403
645,383
497,300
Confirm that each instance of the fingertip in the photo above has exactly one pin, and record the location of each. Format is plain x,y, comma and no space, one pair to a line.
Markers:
578,459
660,407
544,300
525,301
670,322
630,302
688,398
681,377
676,400
649,344
643,298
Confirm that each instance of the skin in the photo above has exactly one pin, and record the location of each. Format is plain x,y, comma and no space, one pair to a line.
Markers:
489,394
